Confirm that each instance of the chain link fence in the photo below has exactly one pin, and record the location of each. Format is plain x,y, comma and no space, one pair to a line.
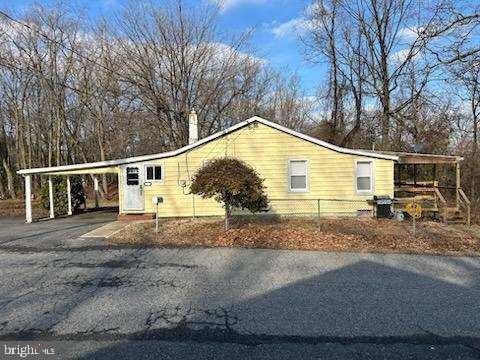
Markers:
313,208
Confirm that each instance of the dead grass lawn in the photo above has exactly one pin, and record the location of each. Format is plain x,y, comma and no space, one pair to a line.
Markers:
359,235
16,207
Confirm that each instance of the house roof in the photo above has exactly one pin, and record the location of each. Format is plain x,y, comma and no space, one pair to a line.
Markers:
135,159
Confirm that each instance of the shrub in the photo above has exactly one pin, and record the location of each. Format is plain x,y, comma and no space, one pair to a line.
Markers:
60,200
232,183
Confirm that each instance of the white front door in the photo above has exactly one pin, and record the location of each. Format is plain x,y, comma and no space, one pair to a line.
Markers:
133,194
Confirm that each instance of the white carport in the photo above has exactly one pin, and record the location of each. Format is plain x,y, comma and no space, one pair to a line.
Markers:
92,169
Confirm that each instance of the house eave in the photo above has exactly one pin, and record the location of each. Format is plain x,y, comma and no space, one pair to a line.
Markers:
136,159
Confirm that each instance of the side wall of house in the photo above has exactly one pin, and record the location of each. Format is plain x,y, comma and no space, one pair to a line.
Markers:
331,175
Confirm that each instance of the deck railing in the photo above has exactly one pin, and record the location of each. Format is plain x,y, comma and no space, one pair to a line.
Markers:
465,203
441,203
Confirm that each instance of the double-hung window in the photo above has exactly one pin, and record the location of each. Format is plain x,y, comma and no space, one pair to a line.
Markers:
364,177
297,173
154,172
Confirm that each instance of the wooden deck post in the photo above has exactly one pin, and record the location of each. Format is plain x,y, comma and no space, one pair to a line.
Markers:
414,174
28,199
69,196
457,183
50,197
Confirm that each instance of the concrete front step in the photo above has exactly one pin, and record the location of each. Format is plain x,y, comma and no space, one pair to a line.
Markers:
455,222
134,217
456,219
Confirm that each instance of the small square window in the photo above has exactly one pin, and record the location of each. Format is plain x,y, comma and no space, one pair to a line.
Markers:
154,173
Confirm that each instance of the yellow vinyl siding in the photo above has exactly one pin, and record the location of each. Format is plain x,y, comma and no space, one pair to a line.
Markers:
330,174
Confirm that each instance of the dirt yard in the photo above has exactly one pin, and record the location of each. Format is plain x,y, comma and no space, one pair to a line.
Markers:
364,235
16,207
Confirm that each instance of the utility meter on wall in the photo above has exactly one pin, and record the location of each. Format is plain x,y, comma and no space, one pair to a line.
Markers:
156,199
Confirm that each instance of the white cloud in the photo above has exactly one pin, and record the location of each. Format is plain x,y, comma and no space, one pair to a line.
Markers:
224,51
410,34
292,27
400,56
229,4
300,24
407,33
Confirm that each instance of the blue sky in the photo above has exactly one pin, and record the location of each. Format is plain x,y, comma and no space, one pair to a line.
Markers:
274,38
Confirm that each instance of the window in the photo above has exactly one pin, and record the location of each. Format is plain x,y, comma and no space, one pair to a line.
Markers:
154,173
364,176
297,175
132,176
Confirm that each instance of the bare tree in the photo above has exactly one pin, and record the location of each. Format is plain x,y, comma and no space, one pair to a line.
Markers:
174,62
466,79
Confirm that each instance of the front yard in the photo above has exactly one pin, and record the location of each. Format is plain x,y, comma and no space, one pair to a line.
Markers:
358,235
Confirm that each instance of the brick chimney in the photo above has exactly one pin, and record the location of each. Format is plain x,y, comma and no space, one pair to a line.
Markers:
192,127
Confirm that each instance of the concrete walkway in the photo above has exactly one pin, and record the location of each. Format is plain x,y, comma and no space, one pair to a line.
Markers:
207,303
107,230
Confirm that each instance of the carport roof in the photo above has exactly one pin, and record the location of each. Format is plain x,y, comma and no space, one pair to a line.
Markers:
422,158
106,166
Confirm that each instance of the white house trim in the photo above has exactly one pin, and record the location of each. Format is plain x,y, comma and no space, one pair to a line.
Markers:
108,163
307,173
162,169
372,177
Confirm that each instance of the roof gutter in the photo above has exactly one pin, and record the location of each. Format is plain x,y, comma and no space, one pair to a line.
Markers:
108,163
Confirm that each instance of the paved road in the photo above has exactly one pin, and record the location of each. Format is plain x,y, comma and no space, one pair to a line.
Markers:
160,303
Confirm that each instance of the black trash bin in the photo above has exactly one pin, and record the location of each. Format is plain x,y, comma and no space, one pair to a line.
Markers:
383,206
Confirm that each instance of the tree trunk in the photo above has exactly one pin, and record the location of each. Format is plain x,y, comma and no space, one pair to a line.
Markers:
100,137
475,161
385,100
2,191
10,184
227,217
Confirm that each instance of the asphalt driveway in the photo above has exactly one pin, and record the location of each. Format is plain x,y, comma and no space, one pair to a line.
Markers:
159,303
49,234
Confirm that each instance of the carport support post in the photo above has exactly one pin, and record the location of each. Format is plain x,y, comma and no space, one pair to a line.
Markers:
50,197
69,196
95,190
28,199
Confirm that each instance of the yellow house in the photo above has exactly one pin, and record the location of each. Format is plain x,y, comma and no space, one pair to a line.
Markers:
303,175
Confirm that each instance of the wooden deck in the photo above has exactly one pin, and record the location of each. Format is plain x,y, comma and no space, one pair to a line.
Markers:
429,192
434,202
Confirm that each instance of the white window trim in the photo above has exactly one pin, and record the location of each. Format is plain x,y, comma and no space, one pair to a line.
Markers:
153,180
307,182
372,180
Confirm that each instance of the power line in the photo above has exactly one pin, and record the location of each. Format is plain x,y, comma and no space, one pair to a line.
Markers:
59,43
